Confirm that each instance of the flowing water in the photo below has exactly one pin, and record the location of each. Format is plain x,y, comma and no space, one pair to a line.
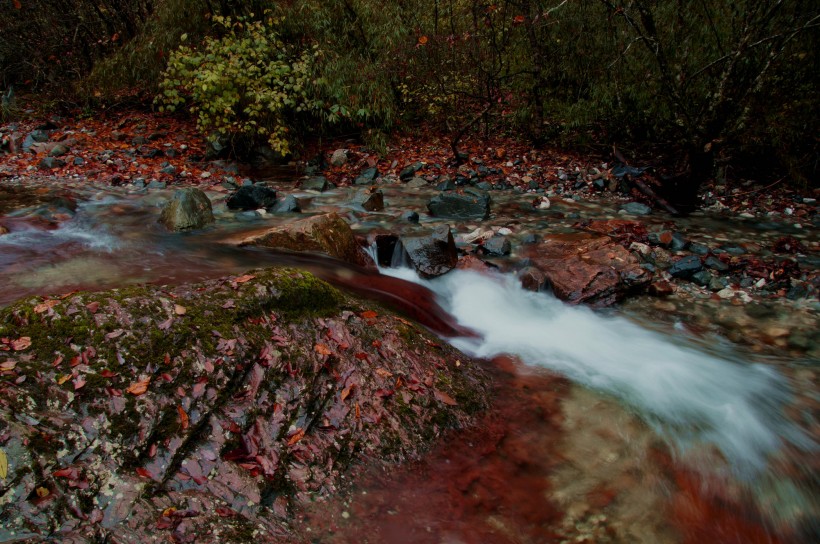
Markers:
631,425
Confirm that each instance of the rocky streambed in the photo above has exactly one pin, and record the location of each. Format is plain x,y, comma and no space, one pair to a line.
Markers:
236,373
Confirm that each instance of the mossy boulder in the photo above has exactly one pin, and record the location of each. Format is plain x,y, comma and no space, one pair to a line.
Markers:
190,208
327,233
208,412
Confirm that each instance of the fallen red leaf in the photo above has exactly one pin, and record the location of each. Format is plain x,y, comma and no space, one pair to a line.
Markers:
297,436
138,388
44,306
183,417
322,349
107,374
93,307
444,397
24,342
243,279
347,390
144,472
369,314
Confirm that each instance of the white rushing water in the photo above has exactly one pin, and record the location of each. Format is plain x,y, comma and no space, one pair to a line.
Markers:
690,397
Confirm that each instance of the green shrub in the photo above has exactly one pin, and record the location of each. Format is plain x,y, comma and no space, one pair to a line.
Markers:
247,84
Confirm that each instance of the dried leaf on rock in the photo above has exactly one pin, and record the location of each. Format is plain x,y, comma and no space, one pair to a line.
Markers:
369,314
42,492
44,306
4,464
347,390
297,436
179,309
8,365
24,342
64,378
138,388
441,396
183,417
322,349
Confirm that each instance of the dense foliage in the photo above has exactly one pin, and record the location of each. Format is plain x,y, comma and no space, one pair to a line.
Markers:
707,82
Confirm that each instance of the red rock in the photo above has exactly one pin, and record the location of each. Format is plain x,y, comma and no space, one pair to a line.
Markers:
584,268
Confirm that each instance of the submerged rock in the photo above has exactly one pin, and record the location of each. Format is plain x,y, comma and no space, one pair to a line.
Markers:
583,268
252,197
206,412
328,234
371,199
316,183
189,208
289,204
472,203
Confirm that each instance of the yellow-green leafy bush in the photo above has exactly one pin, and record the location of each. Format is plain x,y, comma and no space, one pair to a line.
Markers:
247,83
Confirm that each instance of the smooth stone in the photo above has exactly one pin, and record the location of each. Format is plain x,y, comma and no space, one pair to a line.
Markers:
190,208
636,208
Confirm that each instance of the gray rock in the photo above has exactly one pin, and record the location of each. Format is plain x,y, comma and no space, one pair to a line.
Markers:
484,185
252,197
170,169
47,163
703,278
446,183
35,136
718,283
289,204
679,243
190,208
498,245
716,264
636,208
432,255
416,182
79,161
472,203
410,217
154,184
699,249
686,267
339,157
58,150
410,170
370,199
316,183
367,176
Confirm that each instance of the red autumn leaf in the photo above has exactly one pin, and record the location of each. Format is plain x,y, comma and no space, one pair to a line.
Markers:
79,383
225,512
322,349
93,307
183,417
296,437
361,356
57,361
441,396
70,473
347,390
40,308
243,279
24,342
138,388
518,19
358,412
107,374
369,314
144,472
17,4
422,40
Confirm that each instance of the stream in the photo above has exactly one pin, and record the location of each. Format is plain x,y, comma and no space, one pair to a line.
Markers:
662,420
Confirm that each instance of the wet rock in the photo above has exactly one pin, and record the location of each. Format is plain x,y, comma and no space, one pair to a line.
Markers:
718,284
154,184
252,197
58,150
410,217
715,264
446,183
431,255
367,177
316,183
800,290
339,157
532,279
270,375
289,204
636,208
663,238
470,203
78,161
685,267
530,239
660,288
679,243
34,137
170,170
699,249
703,278
189,209
328,234
47,163
585,268
497,245
416,183
410,170
371,199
